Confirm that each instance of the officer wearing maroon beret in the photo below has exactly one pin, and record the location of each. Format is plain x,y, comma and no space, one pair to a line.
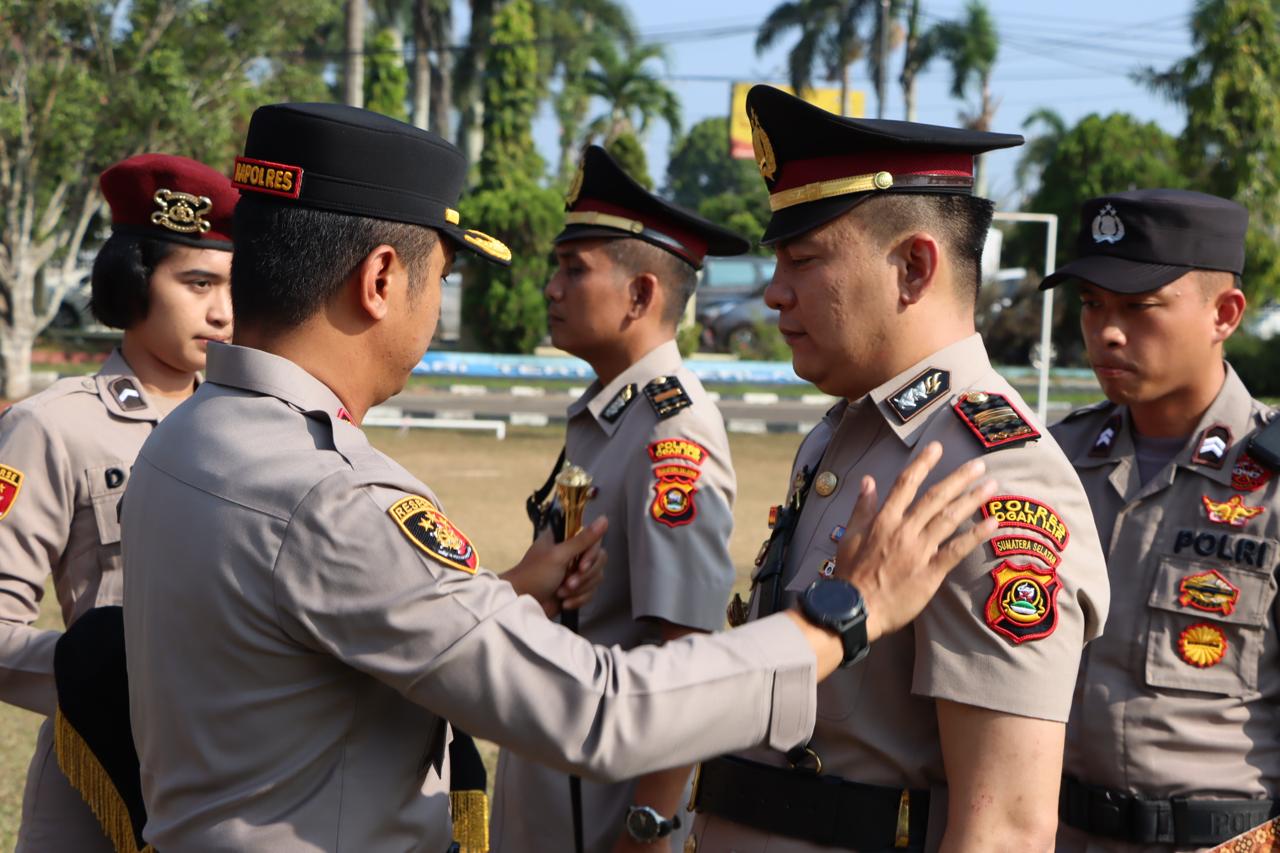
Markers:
66,454
1174,741
949,733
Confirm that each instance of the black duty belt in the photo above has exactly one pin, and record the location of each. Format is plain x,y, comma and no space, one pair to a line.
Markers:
1181,821
810,807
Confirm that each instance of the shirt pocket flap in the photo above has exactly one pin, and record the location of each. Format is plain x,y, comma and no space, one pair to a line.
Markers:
1217,591
106,488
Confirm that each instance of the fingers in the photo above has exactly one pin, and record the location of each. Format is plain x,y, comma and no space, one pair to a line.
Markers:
949,517
864,512
584,538
908,483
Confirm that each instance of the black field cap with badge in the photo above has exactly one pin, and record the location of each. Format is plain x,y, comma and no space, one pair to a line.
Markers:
353,161
1137,241
604,201
817,165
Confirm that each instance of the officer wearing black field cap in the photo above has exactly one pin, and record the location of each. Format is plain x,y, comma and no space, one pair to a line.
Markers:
300,614
656,447
951,731
1174,742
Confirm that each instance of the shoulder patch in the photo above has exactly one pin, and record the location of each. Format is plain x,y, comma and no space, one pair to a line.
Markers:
677,448
1212,446
1010,546
921,390
428,529
1028,514
1106,437
673,501
10,485
127,394
619,403
1024,604
993,419
1248,475
667,396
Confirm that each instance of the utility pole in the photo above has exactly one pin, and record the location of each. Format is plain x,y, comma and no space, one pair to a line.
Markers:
353,69
882,74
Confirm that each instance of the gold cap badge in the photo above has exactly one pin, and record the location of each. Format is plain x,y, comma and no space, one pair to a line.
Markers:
181,212
575,187
763,148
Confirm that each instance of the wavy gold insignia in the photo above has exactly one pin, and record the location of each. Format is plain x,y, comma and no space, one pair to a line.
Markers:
762,148
182,212
491,246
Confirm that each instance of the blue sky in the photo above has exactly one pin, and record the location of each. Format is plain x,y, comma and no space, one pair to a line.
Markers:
1074,57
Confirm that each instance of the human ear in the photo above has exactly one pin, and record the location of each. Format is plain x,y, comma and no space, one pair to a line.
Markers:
916,258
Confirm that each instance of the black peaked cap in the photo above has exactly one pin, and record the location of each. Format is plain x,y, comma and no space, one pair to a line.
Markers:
1141,240
817,165
348,160
604,201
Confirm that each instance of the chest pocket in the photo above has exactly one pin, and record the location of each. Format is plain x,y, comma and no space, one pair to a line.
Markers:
1208,624
106,488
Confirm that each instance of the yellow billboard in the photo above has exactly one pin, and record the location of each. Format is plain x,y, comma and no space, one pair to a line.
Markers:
826,98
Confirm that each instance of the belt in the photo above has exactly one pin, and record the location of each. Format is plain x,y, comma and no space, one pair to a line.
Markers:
810,807
1108,813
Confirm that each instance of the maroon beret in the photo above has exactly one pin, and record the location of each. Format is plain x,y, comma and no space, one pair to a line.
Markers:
166,197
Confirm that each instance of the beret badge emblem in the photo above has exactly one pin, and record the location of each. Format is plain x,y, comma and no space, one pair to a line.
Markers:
181,212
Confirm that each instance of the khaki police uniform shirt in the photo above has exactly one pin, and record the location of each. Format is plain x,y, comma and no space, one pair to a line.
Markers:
301,618
1181,696
1006,629
65,457
666,484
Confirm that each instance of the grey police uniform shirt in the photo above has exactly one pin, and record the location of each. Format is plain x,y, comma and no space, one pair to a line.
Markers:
301,619
1007,627
1181,696
666,484
65,457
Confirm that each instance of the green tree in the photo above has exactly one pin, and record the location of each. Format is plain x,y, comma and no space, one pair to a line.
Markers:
702,177
1231,143
828,39
386,81
632,91
88,82
971,45
504,308
626,149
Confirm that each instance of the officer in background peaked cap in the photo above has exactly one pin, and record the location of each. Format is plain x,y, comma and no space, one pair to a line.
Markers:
656,447
1173,742
949,732
301,617
66,454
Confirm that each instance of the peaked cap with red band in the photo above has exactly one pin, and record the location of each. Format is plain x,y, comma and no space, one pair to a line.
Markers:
817,165
167,197
356,162
605,201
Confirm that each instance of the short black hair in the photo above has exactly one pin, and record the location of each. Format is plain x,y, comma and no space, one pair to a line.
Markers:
121,281
960,222
678,277
290,261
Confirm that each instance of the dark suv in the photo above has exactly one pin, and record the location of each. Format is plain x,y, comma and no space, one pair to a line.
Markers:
729,280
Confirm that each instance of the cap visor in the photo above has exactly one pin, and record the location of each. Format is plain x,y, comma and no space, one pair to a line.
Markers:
590,232
489,248
791,222
1119,275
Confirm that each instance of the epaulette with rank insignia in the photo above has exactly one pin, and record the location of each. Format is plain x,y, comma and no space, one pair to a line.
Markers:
667,396
993,419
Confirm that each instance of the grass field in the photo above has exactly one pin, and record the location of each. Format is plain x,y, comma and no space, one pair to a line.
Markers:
483,484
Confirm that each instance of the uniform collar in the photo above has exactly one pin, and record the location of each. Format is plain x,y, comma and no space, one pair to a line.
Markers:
263,373
1231,411
962,365
121,391
661,360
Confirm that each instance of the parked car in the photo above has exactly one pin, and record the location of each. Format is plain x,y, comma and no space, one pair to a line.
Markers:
733,326
74,311
728,280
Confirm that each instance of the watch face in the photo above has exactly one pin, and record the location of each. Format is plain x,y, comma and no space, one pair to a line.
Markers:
835,598
642,825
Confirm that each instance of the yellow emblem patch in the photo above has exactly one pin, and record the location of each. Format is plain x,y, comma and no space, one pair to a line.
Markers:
491,246
10,485
181,212
1029,514
1202,645
762,148
1233,511
426,527
263,176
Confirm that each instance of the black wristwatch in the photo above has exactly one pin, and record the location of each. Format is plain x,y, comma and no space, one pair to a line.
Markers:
645,825
837,606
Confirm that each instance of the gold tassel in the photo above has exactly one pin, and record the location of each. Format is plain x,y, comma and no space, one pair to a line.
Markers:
470,812
87,775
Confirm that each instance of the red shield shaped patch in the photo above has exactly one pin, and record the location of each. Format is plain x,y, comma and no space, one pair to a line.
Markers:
10,484
1024,604
673,502
426,527
1248,475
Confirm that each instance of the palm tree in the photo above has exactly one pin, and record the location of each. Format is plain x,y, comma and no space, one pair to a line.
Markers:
470,80
829,39
634,94
353,67
1039,149
971,45
573,31
921,48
